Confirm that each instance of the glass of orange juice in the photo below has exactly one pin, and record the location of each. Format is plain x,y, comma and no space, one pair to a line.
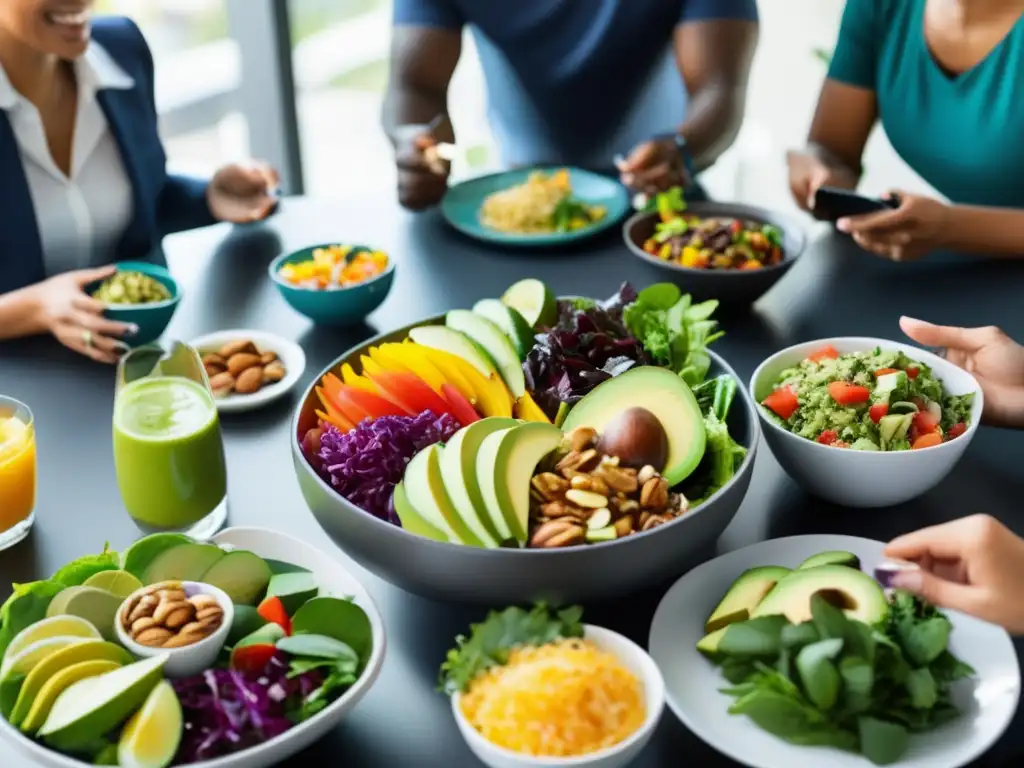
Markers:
17,471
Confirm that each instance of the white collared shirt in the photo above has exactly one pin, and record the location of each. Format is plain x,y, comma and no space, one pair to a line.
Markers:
81,218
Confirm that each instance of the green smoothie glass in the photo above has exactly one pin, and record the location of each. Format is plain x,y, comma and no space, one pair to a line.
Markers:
168,450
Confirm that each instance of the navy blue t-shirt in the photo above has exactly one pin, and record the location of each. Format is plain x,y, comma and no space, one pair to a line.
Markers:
575,81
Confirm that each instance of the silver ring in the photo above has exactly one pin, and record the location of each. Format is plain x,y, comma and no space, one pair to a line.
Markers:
87,338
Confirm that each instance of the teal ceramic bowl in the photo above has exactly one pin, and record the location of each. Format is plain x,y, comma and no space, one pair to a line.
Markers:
151,319
461,206
336,306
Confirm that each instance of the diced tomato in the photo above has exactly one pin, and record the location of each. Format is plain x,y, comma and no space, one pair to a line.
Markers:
828,437
410,392
825,353
736,227
913,371
782,402
927,441
273,610
252,658
883,371
956,430
877,411
845,393
840,444
464,412
925,422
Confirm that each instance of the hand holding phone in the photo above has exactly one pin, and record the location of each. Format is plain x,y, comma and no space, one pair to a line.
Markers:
833,203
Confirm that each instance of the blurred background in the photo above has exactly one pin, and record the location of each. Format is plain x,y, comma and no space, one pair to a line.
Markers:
230,71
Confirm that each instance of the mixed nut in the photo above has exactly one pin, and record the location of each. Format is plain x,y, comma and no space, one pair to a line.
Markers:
164,616
239,367
589,497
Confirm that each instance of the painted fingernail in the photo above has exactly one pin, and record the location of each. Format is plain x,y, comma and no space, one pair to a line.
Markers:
843,225
133,330
910,580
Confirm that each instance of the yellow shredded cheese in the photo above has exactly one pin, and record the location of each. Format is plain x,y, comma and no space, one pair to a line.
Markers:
565,699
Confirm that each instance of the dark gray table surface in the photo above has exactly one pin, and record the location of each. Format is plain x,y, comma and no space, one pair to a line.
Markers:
834,290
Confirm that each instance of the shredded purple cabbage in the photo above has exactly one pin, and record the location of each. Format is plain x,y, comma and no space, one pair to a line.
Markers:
366,463
226,710
587,345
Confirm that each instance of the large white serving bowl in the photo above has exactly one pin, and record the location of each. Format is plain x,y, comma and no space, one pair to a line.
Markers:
693,684
334,581
864,478
637,661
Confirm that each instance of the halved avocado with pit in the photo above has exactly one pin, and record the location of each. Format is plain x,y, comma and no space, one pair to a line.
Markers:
744,595
858,595
665,395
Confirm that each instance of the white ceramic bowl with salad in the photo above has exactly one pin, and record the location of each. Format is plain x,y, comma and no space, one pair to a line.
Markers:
330,583
866,422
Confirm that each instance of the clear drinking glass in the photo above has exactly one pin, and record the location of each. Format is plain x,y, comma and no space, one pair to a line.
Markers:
168,450
17,471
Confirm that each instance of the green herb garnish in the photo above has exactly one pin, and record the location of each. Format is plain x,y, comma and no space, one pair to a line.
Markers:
568,210
490,642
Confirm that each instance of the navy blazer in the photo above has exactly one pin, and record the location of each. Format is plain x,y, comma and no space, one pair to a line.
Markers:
163,202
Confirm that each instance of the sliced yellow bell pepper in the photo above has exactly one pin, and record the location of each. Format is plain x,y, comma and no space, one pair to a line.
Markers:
353,379
492,396
690,257
527,409
370,366
410,357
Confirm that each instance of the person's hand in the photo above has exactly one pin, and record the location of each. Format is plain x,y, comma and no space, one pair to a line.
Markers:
974,565
76,319
995,360
242,193
917,227
808,173
422,180
653,167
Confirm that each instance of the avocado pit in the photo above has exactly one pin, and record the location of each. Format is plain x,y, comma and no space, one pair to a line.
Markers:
637,438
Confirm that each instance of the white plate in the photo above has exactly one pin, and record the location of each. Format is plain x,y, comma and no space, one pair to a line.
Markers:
692,682
334,581
290,354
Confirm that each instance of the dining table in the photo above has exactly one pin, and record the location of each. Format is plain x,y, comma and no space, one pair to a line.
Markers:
833,289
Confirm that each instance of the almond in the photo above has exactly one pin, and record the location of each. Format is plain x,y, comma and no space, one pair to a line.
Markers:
268,357
154,636
214,359
233,348
274,372
213,370
249,380
242,361
222,384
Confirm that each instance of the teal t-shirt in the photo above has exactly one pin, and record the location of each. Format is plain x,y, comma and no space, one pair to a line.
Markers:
964,134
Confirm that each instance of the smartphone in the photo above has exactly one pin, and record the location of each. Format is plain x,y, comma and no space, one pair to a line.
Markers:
832,204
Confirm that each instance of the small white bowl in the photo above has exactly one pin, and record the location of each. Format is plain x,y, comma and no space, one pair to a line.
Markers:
288,352
864,478
635,659
190,659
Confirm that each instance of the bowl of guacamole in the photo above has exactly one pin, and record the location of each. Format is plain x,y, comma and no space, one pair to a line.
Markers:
866,422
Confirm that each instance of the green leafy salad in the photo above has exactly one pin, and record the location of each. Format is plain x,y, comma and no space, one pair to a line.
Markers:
876,400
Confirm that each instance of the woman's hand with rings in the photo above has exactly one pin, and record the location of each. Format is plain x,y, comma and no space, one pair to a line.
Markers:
76,319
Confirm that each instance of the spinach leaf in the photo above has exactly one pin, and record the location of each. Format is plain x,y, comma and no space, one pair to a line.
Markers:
923,642
947,669
882,742
858,684
781,715
796,636
753,638
78,571
25,606
736,670
828,620
818,675
921,687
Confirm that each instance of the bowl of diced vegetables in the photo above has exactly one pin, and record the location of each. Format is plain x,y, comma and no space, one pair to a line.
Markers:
866,422
334,284
728,251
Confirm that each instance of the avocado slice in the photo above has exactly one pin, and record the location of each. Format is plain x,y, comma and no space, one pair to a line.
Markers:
243,576
268,634
708,645
894,427
97,606
411,519
459,470
510,321
504,465
138,556
744,595
425,490
496,344
293,590
832,557
562,414
246,621
664,394
858,595
454,343
185,562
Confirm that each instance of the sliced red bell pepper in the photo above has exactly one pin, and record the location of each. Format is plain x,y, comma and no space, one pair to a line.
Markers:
877,411
927,441
956,430
782,402
273,610
884,371
845,393
828,436
252,658
465,414
827,352
410,392
913,371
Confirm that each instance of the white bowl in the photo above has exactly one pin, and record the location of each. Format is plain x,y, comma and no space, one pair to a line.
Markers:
190,659
864,478
634,658
289,353
334,581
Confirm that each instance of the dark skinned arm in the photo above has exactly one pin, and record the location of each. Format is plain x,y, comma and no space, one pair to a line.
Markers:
423,60
842,124
714,58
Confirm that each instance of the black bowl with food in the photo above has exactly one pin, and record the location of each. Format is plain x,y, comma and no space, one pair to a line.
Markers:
727,251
